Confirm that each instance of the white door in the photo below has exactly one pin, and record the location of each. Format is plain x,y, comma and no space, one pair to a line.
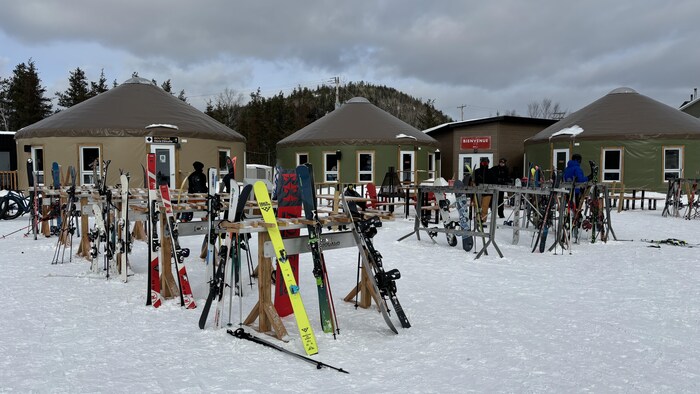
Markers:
560,157
165,163
407,165
472,161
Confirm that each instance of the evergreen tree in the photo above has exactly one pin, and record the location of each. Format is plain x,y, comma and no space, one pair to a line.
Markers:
429,118
99,86
77,91
4,104
167,86
26,96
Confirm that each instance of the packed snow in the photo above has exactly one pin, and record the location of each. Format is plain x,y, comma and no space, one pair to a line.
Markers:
609,317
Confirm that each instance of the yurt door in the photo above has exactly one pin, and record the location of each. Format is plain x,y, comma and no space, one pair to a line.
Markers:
560,157
165,163
407,166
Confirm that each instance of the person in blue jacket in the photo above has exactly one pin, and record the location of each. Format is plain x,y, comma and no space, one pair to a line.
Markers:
573,172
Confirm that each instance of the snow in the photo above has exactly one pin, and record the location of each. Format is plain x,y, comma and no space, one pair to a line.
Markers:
573,131
613,317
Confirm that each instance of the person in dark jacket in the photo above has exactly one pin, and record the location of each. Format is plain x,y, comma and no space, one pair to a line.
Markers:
501,176
484,176
197,181
574,173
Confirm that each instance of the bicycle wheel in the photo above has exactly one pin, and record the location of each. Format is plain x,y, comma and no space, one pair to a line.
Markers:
11,207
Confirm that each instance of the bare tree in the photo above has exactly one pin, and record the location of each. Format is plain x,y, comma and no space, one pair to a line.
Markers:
226,106
545,109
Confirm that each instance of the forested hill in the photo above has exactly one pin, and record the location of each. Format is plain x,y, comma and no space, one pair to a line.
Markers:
266,120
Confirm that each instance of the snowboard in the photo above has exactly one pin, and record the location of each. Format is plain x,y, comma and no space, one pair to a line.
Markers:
288,206
463,210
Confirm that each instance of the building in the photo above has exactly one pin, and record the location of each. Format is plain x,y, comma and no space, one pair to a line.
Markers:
464,143
358,143
123,125
636,140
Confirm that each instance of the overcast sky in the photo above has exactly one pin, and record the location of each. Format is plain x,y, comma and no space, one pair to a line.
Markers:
492,56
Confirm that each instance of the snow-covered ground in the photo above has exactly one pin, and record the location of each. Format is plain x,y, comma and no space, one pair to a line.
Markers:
614,317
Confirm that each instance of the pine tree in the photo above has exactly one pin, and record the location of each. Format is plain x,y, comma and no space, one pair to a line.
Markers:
99,86
26,96
77,91
4,104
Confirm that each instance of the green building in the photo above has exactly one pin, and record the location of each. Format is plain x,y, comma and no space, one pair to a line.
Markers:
636,140
358,143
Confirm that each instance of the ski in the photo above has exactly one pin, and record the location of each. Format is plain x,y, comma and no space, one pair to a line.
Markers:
383,283
308,199
123,224
213,205
235,253
546,219
669,241
308,338
221,276
153,296
186,297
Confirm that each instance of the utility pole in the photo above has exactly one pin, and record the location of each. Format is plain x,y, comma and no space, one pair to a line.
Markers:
461,108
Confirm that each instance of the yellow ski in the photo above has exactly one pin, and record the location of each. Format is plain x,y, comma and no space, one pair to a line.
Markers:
308,339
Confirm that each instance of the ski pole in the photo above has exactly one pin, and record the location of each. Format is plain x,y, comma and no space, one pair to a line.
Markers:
241,334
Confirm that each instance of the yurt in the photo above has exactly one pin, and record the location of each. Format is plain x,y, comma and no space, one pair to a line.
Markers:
122,125
634,140
358,143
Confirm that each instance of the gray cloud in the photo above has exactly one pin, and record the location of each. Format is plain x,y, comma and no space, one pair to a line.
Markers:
498,54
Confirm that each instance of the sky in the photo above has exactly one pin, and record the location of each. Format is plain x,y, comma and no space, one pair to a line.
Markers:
490,57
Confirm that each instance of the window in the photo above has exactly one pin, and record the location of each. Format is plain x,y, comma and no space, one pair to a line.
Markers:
365,166
431,166
302,158
612,165
89,158
330,167
224,153
673,160
38,163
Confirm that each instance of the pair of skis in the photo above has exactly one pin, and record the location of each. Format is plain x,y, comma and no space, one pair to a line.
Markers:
154,296
383,283
230,251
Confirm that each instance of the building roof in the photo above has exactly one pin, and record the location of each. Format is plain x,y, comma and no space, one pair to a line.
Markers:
625,114
357,122
135,108
478,121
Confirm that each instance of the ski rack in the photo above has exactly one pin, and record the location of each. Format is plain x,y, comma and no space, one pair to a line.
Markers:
470,192
674,204
264,311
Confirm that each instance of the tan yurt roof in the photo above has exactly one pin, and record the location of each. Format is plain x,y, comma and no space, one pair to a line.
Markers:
624,114
358,122
135,108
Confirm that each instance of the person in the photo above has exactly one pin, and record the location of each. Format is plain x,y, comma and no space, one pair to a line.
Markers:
501,176
573,171
484,176
197,181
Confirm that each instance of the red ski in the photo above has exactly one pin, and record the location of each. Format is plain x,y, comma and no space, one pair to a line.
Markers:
186,298
153,297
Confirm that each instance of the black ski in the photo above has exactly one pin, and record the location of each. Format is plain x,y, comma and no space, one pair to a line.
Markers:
546,220
364,229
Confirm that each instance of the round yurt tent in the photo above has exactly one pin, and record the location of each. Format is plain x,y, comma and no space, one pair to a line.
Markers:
122,125
634,139
358,143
